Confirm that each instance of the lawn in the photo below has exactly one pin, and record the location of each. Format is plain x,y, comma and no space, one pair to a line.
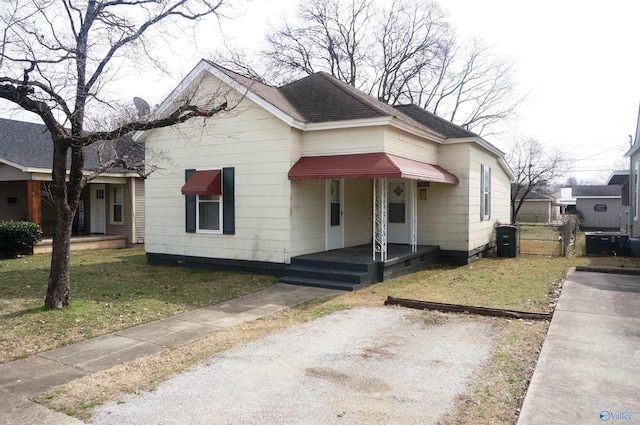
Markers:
111,290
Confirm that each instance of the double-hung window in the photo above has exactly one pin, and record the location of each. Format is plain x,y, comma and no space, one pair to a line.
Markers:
209,213
485,192
210,200
117,204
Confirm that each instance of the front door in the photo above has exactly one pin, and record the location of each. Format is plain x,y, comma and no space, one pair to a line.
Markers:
398,210
97,208
335,214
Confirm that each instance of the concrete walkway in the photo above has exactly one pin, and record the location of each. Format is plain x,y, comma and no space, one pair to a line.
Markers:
589,367
22,379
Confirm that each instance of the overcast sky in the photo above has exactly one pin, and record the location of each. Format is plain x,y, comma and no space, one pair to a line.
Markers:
577,61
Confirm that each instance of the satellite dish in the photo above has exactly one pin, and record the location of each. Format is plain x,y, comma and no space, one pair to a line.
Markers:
142,106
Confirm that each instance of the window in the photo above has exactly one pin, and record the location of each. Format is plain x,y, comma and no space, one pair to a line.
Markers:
485,192
210,201
209,214
117,206
397,205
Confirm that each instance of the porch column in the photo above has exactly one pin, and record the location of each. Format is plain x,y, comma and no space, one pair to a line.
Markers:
34,196
413,196
380,218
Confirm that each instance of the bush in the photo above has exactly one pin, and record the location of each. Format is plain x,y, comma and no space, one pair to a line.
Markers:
18,237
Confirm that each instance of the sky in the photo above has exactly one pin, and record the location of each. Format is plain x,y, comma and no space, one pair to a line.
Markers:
577,62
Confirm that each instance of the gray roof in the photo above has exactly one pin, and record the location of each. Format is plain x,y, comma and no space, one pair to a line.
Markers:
533,195
595,190
321,97
29,145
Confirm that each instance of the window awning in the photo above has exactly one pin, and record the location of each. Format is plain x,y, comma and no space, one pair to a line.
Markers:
205,182
368,165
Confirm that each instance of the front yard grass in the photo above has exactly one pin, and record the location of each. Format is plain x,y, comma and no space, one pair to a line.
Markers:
111,290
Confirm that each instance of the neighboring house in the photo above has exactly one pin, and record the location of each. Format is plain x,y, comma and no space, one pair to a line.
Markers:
621,178
601,206
634,184
111,204
315,166
567,201
538,208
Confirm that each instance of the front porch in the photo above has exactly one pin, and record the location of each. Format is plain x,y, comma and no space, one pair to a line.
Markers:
79,243
353,268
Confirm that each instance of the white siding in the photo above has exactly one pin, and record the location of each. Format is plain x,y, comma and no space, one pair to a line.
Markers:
358,212
8,173
409,146
344,141
258,145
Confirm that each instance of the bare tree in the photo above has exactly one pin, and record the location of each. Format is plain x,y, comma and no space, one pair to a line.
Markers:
474,88
330,35
405,52
58,57
535,167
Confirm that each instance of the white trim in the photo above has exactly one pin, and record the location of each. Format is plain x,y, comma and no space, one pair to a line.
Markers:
327,207
112,204
220,199
380,218
636,194
220,222
132,192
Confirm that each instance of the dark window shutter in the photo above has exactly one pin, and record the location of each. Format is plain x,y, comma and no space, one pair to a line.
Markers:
190,206
228,201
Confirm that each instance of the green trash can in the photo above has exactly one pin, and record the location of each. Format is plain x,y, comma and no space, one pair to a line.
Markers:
507,241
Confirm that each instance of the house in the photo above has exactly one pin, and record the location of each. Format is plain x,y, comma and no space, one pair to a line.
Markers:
620,178
111,204
634,183
538,207
601,206
317,170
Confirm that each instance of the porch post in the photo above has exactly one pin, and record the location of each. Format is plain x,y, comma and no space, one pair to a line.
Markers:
34,196
380,218
413,188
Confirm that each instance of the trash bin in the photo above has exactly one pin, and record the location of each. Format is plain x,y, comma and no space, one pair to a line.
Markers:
507,241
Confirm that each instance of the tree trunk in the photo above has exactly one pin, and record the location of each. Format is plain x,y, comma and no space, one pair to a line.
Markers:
59,288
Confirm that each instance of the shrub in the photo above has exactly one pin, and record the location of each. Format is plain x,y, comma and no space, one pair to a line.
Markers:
18,237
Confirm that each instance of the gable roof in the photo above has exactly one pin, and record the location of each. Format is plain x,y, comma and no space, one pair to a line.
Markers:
28,147
321,101
594,191
533,196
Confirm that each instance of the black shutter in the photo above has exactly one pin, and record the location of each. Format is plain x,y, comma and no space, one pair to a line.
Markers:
228,201
190,205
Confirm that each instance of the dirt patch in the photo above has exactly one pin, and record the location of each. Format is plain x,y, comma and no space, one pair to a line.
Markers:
361,365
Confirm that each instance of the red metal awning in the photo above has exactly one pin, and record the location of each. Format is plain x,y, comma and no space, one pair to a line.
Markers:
205,182
368,165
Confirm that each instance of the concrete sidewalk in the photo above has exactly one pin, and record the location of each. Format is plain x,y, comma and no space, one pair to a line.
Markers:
589,367
22,379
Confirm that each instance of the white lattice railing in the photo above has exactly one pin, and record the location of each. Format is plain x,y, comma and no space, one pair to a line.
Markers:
380,218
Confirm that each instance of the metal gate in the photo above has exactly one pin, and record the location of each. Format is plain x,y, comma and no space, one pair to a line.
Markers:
549,239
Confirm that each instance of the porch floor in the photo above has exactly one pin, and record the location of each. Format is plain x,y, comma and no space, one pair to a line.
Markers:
79,243
353,267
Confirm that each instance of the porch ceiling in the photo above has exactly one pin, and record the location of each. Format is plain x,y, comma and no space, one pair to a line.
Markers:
368,165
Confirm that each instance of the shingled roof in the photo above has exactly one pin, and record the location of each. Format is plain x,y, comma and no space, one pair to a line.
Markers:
595,191
28,145
321,97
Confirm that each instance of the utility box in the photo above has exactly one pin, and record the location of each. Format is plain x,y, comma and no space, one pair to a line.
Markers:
606,244
507,241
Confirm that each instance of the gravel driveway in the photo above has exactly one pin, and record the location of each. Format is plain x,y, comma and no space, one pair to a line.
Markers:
359,366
